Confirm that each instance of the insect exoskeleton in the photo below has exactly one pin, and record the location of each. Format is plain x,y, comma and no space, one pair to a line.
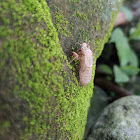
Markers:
85,56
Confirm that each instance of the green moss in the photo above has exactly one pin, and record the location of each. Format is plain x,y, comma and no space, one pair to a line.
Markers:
84,35
61,24
75,1
4,31
97,27
99,44
4,126
82,16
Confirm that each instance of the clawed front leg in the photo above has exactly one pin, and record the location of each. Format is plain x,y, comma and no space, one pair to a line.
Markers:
75,56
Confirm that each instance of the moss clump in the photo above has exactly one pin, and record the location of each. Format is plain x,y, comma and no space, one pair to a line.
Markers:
61,25
97,27
3,126
75,1
82,16
83,34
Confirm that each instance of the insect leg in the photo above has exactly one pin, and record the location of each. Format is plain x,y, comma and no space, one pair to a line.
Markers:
75,55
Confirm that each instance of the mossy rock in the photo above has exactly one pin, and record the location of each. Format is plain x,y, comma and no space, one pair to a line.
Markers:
118,121
79,21
39,92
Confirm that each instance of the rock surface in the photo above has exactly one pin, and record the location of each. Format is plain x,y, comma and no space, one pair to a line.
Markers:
119,121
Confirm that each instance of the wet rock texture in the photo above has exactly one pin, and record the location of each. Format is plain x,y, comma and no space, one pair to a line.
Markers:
119,121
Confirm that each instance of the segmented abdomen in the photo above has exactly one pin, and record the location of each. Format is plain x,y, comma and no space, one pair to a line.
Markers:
85,75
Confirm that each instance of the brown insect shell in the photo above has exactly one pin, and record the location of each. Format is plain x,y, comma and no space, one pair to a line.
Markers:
86,62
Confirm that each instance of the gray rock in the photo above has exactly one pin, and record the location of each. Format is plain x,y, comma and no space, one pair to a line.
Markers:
119,121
